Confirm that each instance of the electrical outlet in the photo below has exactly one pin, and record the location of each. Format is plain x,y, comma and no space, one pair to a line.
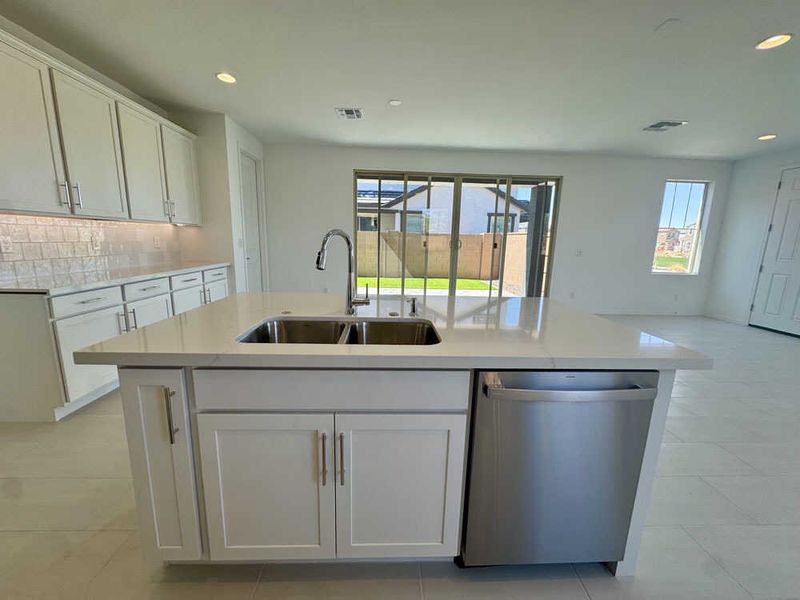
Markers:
6,247
94,240
156,241
578,252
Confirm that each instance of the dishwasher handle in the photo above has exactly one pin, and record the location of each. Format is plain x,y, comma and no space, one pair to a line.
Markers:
612,395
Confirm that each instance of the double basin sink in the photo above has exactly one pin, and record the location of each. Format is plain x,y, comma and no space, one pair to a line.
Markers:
297,330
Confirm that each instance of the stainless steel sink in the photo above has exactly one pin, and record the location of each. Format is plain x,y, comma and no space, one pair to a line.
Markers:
294,330
408,332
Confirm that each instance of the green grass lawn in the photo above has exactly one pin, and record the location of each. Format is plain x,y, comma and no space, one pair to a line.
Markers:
434,283
671,262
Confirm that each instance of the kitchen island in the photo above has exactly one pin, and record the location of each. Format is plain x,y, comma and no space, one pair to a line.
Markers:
345,450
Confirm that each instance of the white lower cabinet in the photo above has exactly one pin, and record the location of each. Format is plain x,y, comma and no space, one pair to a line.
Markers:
398,491
157,428
145,312
316,486
269,488
187,299
74,333
216,290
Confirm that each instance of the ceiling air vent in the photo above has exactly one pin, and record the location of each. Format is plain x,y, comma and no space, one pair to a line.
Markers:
347,112
664,125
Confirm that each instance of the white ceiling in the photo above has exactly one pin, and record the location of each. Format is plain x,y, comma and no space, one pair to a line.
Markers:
553,75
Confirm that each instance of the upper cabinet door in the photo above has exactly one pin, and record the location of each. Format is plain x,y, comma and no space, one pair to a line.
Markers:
144,164
31,167
88,122
180,162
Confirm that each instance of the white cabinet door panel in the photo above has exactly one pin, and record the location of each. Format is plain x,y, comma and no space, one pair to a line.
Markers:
400,492
163,471
187,299
88,121
31,166
266,490
145,312
140,135
180,163
74,333
216,290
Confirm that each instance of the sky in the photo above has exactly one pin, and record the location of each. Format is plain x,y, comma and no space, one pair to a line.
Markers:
681,204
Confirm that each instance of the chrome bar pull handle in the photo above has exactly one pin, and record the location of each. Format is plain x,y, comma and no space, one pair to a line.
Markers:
65,201
79,198
133,315
123,326
324,458
341,459
168,394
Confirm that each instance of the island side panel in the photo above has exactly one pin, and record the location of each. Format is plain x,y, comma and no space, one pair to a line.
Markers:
647,475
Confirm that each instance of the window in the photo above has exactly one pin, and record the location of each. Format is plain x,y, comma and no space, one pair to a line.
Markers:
495,222
680,228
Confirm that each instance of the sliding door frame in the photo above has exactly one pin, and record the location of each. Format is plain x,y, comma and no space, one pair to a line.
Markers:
458,179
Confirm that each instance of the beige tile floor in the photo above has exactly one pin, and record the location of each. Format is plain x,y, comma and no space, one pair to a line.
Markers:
724,522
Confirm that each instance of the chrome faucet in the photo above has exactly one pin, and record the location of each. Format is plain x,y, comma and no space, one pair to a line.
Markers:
352,299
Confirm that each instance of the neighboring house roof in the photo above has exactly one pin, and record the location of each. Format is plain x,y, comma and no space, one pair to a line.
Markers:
521,204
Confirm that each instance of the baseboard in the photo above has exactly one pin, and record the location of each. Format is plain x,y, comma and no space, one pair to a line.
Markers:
71,407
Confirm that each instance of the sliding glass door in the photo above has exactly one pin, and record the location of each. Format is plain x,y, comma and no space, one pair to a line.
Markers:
438,234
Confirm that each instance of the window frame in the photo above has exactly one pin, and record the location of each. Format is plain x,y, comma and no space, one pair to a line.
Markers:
695,258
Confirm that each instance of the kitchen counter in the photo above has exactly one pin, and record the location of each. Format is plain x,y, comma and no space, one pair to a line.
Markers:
58,285
477,333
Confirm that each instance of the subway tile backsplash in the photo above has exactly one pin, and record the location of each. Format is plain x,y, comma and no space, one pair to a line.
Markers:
63,250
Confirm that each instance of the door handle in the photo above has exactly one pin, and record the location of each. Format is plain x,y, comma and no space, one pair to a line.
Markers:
202,296
66,201
324,458
79,198
133,314
123,327
168,394
341,459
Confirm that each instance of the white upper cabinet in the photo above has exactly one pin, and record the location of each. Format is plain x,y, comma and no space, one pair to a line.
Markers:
180,162
31,167
140,135
88,121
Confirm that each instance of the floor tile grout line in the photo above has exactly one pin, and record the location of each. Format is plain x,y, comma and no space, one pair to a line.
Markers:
421,586
258,582
107,562
746,512
580,580
714,558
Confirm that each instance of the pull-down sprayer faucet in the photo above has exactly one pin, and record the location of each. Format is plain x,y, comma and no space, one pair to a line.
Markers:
352,299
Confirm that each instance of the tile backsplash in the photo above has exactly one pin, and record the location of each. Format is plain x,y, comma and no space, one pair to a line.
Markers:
62,250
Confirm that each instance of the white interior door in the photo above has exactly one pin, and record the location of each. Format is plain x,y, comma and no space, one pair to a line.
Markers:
31,167
88,121
269,488
777,300
398,484
248,168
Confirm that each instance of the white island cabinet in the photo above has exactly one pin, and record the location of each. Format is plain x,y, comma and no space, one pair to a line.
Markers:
157,428
357,450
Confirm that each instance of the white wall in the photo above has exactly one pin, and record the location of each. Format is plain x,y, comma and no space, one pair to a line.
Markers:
220,238
754,187
608,213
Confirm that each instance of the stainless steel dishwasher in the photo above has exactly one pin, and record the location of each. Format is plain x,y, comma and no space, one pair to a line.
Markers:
554,465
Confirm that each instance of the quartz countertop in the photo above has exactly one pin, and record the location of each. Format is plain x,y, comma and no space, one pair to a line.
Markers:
477,333
92,280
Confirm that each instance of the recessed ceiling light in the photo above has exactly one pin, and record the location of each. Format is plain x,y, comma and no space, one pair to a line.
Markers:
395,102
767,137
226,77
773,41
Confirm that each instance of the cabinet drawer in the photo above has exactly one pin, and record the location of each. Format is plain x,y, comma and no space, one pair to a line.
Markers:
299,390
73,304
215,274
145,289
178,282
